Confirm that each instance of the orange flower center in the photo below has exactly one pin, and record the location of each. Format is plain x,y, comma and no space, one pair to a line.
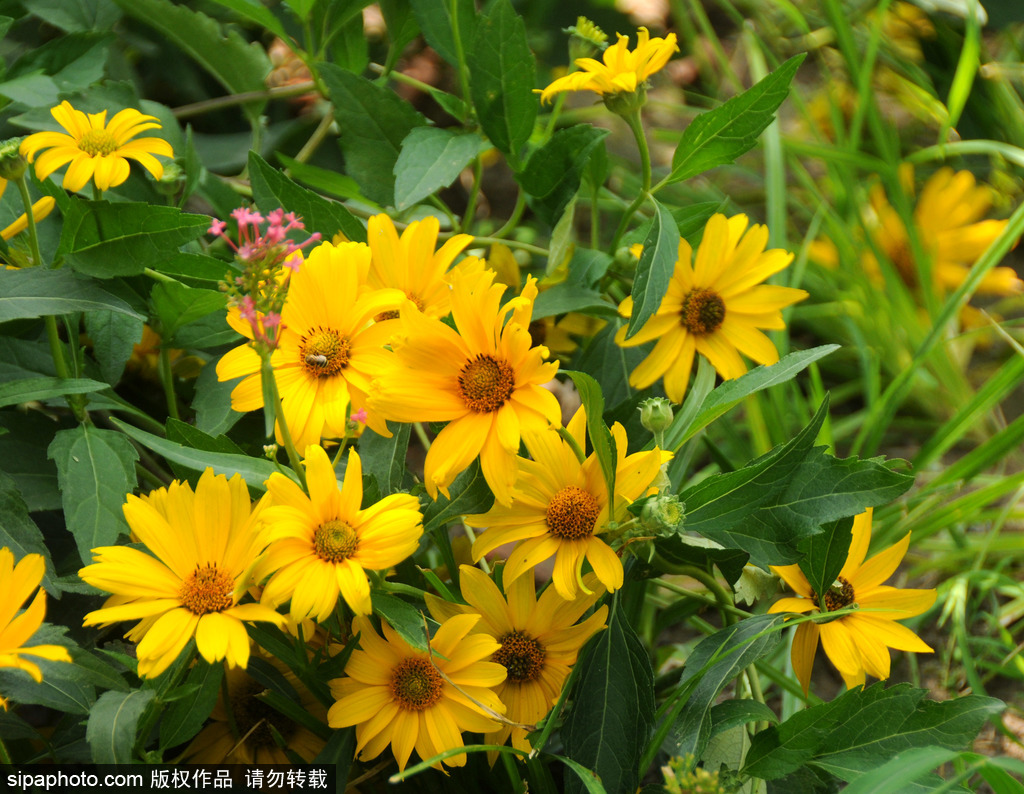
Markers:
486,384
571,514
207,590
98,142
394,313
324,352
335,541
522,656
415,684
839,595
703,311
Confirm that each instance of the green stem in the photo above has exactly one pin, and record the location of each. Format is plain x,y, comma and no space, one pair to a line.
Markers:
725,602
513,219
294,459
167,381
421,434
282,92
33,233
573,444
315,139
533,249
5,757
460,50
636,126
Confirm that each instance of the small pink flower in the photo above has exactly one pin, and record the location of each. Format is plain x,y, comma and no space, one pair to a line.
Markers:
217,228
359,416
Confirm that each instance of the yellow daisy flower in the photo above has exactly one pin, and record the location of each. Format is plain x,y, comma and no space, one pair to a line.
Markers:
714,307
400,696
203,545
485,380
561,509
856,643
539,638
40,210
623,70
947,218
16,585
95,149
411,264
323,544
329,347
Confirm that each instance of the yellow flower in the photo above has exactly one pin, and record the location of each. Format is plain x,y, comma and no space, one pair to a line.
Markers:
203,545
323,544
40,210
539,638
96,150
410,263
623,71
329,347
947,219
16,584
714,307
484,380
561,508
856,643
400,696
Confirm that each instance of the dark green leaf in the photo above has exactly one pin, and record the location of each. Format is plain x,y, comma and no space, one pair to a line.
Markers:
553,172
257,13
339,752
686,551
719,136
373,121
502,76
96,469
96,669
565,298
65,687
113,336
212,402
654,271
470,495
36,292
611,364
824,554
14,727
195,267
733,713
613,708
76,15
384,458
23,442
323,180
112,723
175,305
19,533
600,437
183,718
431,159
404,618
272,189
61,66
435,21
20,391
900,774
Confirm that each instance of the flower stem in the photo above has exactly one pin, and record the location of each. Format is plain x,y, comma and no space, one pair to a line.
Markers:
636,125
421,434
276,420
573,443
167,381
725,602
33,234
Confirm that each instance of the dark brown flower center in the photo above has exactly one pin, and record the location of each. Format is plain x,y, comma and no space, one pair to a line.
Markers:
98,142
394,313
335,541
324,352
415,684
206,590
522,656
571,514
486,384
839,596
703,311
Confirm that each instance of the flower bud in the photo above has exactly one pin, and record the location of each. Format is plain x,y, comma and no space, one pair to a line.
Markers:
656,414
12,164
586,39
663,515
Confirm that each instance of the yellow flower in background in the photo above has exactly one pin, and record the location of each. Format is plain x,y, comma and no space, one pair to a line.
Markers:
561,509
857,644
485,380
203,545
539,638
714,307
95,149
399,696
40,209
622,71
949,226
17,582
328,350
410,263
321,545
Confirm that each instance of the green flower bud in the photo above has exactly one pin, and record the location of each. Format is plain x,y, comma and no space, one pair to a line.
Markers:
586,39
626,103
663,515
656,414
172,180
12,164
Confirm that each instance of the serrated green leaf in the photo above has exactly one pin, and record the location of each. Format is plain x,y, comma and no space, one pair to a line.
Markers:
75,15
470,495
719,136
373,121
260,14
733,713
502,75
654,271
96,469
613,708
112,723
553,172
36,292
19,533
105,240
824,554
175,305
404,618
114,337
435,21
322,179
384,458
272,189
431,159
61,66
900,773
195,267
183,718
20,391
65,687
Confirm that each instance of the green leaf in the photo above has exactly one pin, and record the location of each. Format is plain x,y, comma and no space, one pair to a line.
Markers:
23,442
431,159
112,723
564,298
96,469
866,727
600,437
470,495
19,533
260,14
898,774
195,267
824,555
768,506
114,337
65,686
75,15
654,271
322,179
237,65
435,21
699,552
384,458
255,471
719,136
102,239
339,752
36,292
404,618
373,121
212,402
553,172
610,364
733,713
175,305
59,67
502,75
272,189
183,718
613,707
20,391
